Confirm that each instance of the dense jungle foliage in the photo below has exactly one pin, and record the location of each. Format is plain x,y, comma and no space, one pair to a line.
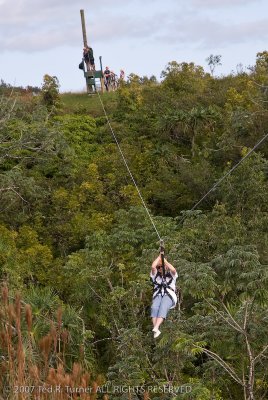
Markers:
77,246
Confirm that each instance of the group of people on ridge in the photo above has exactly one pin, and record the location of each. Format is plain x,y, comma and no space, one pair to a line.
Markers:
111,80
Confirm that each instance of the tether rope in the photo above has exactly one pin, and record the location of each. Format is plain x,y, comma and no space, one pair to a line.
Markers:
225,176
127,167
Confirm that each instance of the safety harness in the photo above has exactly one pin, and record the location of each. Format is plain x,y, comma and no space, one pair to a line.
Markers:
162,282
163,287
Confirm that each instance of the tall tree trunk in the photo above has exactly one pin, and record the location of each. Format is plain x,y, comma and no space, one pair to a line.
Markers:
250,384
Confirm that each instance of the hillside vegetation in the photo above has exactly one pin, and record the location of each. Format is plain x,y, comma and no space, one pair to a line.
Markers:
76,243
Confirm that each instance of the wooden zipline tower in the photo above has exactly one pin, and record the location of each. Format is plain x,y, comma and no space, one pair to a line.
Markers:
91,75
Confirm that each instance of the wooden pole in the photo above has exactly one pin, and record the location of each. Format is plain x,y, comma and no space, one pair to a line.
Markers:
89,86
84,32
83,27
101,79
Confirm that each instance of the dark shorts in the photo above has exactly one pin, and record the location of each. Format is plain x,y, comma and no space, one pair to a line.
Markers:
107,80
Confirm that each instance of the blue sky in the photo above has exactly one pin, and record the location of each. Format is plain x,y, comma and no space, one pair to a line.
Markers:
140,36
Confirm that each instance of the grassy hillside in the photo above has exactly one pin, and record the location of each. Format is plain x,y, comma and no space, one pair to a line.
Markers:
82,103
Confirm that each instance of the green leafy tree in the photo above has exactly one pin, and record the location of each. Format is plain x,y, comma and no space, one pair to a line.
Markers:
50,92
213,62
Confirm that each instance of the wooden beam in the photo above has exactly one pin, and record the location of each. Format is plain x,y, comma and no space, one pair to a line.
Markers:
83,27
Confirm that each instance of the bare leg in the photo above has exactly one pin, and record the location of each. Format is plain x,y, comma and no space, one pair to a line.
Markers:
154,320
158,322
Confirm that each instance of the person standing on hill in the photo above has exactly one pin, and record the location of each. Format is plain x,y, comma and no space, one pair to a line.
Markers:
122,74
107,78
89,58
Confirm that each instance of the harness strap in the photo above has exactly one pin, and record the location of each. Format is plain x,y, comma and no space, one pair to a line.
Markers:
158,289
163,288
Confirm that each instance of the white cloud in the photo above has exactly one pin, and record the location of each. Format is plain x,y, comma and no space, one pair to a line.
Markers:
222,3
36,25
206,32
48,25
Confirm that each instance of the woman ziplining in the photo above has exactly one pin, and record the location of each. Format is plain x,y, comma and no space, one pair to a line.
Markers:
164,278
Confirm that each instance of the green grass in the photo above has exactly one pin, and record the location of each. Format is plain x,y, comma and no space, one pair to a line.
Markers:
82,103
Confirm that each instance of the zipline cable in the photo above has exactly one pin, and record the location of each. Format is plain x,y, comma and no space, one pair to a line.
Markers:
127,167
225,176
